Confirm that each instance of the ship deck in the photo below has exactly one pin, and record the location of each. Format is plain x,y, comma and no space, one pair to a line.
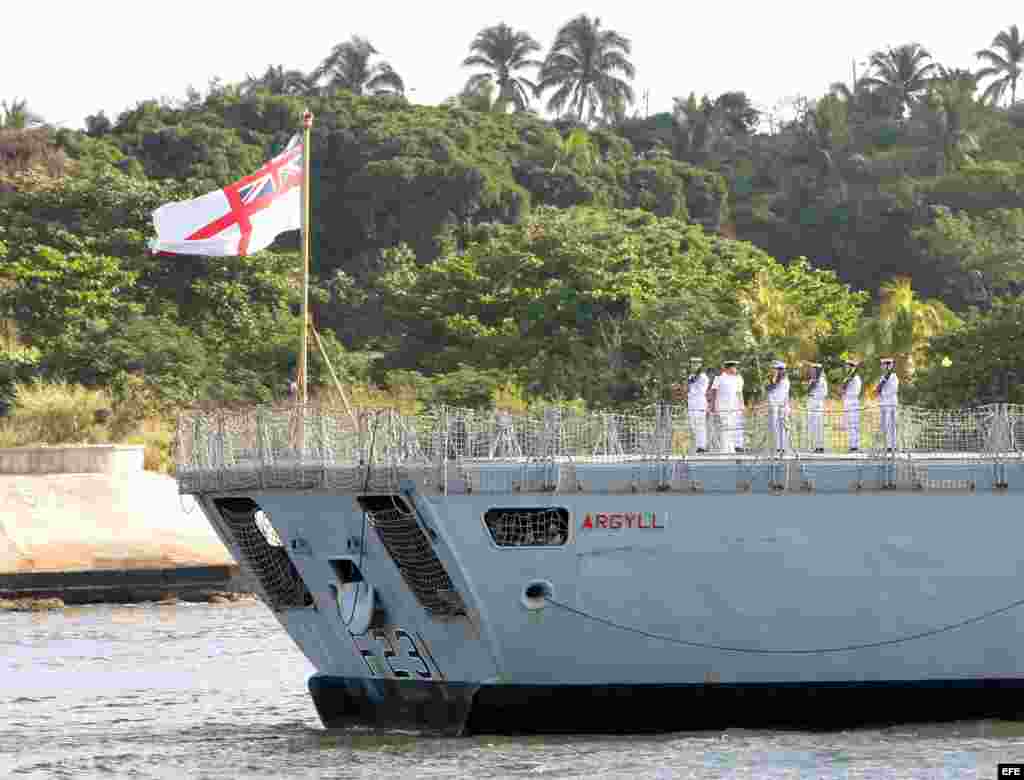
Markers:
705,474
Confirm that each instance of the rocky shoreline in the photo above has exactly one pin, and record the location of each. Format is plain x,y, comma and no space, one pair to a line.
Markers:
42,591
32,604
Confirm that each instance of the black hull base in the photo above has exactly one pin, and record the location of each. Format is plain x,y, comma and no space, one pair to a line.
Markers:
465,708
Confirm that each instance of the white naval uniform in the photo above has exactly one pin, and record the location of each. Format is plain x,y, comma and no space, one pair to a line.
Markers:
740,414
778,407
851,407
888,401
730,410
697,408
816,412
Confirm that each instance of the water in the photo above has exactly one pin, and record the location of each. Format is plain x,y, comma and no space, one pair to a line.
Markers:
197,691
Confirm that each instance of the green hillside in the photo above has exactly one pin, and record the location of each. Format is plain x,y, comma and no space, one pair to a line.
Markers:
472,246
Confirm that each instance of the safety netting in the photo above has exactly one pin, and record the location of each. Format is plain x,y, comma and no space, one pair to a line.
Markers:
324,447
261,549
528,527
413,553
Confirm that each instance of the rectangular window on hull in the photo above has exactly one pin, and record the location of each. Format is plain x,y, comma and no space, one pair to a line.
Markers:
528,526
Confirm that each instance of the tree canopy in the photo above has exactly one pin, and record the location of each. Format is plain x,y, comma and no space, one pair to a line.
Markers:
578,303
468,245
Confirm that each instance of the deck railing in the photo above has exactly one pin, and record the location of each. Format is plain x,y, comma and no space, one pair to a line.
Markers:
266,446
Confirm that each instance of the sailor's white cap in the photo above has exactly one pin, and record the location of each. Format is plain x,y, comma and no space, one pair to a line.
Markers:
696,360
778,364
730,362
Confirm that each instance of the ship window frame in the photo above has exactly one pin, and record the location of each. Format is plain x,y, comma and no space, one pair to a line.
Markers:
570,535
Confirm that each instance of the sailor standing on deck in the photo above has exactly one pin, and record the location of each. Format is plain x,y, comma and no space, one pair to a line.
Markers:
740,408
697,403
727,401
778,406
888,401
851,405
817,392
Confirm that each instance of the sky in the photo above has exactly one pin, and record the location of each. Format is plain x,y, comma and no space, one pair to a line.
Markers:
70,59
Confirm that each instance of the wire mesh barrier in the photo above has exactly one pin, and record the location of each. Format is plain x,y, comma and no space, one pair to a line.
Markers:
414,555
1014,426
316,446
263,552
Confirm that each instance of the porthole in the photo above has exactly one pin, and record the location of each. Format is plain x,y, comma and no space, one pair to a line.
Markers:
536,594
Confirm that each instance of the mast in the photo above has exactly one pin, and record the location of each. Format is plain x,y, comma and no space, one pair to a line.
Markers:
307,124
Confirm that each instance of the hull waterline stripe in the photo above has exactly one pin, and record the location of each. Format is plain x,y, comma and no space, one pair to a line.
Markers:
461,708
732,648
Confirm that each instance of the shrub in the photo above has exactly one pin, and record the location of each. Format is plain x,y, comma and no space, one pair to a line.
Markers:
22,151
56,413
156,434
467,387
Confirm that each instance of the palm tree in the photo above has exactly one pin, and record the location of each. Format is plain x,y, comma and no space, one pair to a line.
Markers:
951,105
695,126
862,103
582,68
829,122
476,96
903,325
348,67
776,323
1006,66
279,81
17,116
503,51
902,72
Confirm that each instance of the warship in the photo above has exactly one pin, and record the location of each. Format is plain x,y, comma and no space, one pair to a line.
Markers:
464,572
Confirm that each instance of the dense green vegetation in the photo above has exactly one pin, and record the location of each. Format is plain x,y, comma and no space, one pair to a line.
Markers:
465,247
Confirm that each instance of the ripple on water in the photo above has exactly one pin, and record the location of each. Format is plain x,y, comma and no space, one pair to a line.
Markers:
205,691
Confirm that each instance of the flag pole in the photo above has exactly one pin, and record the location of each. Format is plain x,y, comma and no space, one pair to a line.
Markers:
307,124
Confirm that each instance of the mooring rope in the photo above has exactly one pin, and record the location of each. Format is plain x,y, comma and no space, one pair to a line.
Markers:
802,651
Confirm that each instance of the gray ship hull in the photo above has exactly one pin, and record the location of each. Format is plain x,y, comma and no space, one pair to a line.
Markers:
741,593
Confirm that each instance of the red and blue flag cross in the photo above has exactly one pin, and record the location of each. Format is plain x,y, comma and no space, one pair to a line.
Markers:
254,193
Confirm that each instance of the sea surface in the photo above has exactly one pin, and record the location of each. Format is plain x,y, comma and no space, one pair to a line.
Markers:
219,691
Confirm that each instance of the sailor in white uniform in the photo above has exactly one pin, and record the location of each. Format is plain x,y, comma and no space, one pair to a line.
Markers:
888,401
740,415
778,406
727,401
697,403
817,392
851,406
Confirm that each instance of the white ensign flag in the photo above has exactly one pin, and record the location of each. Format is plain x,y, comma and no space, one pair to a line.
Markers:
239,219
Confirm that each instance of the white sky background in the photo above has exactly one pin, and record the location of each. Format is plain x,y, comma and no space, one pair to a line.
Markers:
71,59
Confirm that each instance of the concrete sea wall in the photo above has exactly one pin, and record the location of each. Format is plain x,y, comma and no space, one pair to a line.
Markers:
78,510
86,459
